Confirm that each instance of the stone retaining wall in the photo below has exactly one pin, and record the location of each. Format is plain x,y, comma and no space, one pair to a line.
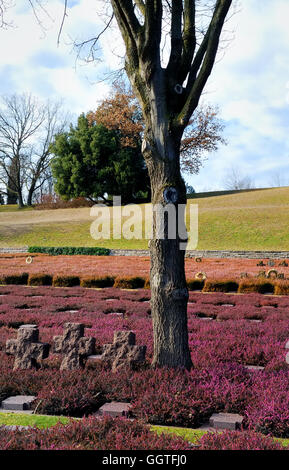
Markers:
23,249
189,253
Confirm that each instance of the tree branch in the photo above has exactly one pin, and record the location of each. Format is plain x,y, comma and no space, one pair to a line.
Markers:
176,39
205,56
189,39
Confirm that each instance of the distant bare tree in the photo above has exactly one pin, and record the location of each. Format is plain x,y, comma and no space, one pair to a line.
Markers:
234,180
277,180
27,127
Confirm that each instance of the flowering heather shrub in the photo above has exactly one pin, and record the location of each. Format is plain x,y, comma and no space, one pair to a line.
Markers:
92,434
124,266
219,348
65,281
220,286
100,281
40,280
236,440
129,282
269,411
71,393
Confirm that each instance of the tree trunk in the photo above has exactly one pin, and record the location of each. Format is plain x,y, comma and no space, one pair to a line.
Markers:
30,194
169,293
20,200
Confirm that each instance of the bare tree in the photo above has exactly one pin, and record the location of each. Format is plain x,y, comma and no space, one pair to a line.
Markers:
27,128
168,94
234,180
277,180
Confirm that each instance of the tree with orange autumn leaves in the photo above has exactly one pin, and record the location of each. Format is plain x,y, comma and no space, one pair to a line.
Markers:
121,112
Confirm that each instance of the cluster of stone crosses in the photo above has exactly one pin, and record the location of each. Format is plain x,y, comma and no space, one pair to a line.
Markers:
75,348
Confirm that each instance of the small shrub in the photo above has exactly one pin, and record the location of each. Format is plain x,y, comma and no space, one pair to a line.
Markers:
66,281
129,282
19,279
237,440
282,288
49,201
195,284
221,286
260,286
40,280
101,281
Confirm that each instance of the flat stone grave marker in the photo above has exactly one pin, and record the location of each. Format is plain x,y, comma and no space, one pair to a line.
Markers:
206,318
28,351
19,402
254,368
229,421
123,352
114,409
74,346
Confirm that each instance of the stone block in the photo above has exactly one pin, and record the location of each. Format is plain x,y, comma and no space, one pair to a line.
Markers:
254,368
229,421
18,402
114,409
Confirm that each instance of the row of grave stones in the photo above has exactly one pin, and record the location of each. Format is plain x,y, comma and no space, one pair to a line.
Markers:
272,263
122,353
114,409
75,348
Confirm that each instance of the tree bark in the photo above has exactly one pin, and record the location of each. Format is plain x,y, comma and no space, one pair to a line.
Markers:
30,193
169,293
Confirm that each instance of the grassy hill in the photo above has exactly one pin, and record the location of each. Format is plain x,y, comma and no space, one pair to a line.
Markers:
245,220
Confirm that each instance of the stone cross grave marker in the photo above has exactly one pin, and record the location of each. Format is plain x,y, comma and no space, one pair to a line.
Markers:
74,346
123,352
26,348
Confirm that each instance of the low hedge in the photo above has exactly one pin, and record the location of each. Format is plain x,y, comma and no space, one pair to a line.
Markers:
195,284
147,284
40,280
259,286
69,250
100,281
282,288
19,279
129,282
221,286
65,281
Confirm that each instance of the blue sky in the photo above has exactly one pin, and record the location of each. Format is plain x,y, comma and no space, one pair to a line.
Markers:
250,82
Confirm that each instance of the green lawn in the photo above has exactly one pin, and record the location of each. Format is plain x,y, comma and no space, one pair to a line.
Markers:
14,208
40,421
253,220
